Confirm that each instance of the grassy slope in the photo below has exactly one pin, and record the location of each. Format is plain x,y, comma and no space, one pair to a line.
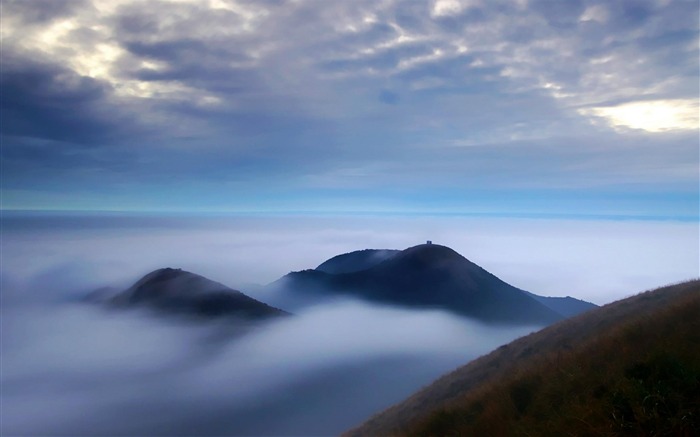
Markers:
629,368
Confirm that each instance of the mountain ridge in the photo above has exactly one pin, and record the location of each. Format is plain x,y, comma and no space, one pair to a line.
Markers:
176,291
426,276
355,261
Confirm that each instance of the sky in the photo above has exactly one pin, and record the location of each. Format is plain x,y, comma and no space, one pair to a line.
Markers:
516,108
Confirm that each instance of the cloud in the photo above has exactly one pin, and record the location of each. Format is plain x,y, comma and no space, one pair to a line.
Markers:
41,11
44,100
70,367
284,92
76,369
194,46
653,116
84,252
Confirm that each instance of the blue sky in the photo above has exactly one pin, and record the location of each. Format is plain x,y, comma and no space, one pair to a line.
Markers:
587,108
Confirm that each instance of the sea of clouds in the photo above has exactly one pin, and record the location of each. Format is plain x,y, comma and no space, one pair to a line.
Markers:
74,368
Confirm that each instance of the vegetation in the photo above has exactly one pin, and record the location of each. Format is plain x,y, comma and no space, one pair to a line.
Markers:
630,368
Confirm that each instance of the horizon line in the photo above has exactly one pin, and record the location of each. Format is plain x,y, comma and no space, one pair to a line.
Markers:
358,213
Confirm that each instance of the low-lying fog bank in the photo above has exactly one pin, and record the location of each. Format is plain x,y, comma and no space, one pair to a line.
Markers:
72,368
597,261
77,369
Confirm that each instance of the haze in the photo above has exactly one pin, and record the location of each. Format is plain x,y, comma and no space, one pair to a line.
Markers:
70,368
595,260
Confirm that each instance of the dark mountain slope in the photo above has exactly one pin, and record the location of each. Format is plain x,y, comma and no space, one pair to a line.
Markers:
177,291
566,306
356,261
430,276
629,368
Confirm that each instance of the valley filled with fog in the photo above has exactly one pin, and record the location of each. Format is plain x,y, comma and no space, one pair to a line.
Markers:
75,368
71,369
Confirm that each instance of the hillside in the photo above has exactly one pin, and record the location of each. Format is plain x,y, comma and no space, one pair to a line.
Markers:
356,261
566,306
179,292
425,276
629,368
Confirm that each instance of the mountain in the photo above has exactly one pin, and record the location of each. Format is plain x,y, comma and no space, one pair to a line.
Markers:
423,276
566,306
181,292
629,368
356,261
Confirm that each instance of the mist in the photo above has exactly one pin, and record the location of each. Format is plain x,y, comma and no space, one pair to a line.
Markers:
73,368
595,260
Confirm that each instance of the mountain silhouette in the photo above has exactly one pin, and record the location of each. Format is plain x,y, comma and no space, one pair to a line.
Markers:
356,261
566,306
423,276
180,292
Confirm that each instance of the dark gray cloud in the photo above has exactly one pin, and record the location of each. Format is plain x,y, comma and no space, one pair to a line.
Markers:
42,11
44,100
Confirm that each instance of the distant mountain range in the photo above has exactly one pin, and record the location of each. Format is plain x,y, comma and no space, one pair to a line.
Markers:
429,276
176,291
631,367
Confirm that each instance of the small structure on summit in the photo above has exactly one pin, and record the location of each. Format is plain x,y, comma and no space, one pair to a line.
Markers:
429,242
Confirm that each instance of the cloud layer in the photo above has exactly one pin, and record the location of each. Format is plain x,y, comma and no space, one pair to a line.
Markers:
71,368
241,105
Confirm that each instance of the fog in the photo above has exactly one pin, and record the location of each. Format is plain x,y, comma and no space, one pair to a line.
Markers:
598,261
72,368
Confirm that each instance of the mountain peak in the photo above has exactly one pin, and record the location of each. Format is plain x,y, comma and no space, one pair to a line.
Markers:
164,274
431,252
356,261
173,283
424,276
179,291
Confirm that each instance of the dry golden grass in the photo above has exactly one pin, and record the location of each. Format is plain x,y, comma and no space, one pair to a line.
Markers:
629,368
